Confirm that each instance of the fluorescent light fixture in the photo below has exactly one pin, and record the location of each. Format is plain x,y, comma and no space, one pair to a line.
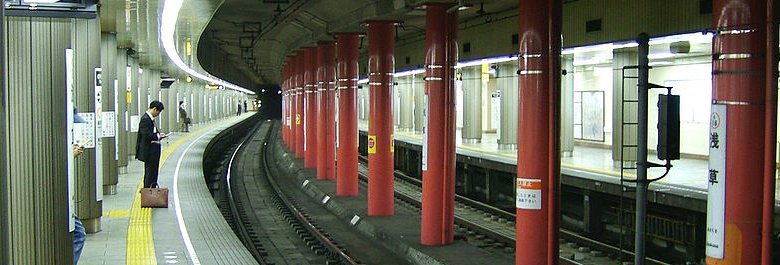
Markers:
40,1
599,47
363,81
660,55
410,72
660,63
168,19
696,37
490,60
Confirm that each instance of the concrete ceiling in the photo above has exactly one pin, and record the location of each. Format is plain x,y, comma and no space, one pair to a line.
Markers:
273,29
270,30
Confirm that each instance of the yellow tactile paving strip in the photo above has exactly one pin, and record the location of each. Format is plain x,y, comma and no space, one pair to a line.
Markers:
140,242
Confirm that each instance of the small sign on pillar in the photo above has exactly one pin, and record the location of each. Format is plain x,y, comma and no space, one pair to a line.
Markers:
372,144
529,194
716,189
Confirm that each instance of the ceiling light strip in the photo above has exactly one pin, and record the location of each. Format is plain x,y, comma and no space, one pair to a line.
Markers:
168,19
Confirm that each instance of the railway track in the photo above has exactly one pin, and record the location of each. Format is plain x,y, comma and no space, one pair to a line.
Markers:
494,227
254,205
248,176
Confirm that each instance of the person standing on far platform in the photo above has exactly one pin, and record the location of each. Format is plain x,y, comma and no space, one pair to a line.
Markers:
238,112
148,147
185,121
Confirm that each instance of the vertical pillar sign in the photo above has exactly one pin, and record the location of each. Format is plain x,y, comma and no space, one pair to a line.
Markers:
70,134
116,121
716,189
129,85
98,127
425,133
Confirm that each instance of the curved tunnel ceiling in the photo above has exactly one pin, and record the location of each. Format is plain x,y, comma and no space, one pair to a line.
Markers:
258,35
269,29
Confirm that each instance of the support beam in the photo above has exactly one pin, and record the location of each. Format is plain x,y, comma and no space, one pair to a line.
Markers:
347,71
381,66
743,96
438,162
310,103
326,118
538,152
299,68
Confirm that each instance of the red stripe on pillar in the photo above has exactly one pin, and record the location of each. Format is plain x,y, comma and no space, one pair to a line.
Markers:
538,149
347,70
381,66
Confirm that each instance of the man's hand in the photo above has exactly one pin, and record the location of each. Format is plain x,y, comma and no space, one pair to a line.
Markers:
77,150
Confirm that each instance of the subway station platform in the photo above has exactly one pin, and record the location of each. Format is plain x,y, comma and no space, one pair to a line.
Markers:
687,178
190,231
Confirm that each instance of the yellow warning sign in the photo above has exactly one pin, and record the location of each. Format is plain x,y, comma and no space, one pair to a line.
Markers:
372,144
297,119
392,144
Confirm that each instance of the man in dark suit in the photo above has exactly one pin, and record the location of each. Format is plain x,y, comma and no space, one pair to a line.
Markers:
147,147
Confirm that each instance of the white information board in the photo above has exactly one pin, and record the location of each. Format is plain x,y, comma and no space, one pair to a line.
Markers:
134,123
716,189
109,123
85,132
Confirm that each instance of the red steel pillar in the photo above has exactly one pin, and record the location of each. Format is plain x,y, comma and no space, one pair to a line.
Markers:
743,95
438,164
292,103
310,121
284,104
381,66
347,70
326,119
299,115
770,135
538,132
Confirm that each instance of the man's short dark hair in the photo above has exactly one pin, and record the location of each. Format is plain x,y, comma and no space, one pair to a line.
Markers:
156,105
181,102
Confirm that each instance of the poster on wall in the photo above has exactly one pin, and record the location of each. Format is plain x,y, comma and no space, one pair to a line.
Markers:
592,115
134,123
84,133
109,124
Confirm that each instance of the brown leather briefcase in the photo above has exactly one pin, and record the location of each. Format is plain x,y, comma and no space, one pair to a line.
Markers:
154,197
